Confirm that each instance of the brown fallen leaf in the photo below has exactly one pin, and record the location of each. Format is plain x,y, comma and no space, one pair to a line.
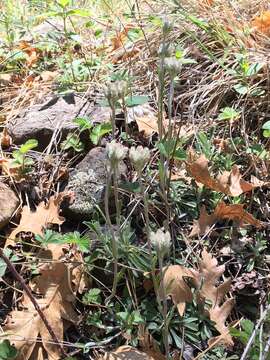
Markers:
176,287
10,169
229,183
262,23
56,295
36,221
236,213
124,53
233,212
206,279
203,224
33,54
130,353
5,139
48,76
121,36
210,289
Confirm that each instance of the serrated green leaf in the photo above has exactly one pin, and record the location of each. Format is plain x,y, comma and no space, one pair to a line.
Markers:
228,113
92,296
99,131
83,123
7,351
28,145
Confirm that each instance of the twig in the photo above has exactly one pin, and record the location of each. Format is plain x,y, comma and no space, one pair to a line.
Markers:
251,339
25,287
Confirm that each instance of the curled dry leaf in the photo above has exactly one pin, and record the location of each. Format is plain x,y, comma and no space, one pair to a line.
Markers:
229,183
149,124
176,287
119,39
5,139
33,54
207,283
233,212
54,286
130,353
203,224
36,221
262,22
8,168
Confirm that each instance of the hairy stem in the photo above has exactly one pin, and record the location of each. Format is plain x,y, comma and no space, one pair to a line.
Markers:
164,308
113,238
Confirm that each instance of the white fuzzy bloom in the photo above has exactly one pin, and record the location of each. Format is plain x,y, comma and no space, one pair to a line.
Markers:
173,66
115,91
116,152
161,241
139,157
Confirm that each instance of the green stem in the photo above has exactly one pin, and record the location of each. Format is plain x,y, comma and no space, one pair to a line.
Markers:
164,308
112,106
170,107
113,238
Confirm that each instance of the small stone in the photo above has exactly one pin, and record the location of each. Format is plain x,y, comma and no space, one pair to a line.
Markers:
8,204
88,183
40,121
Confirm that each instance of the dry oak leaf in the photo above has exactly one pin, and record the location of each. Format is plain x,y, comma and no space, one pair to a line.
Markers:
120,38
33,54
36,221
176,287
233,212
8,168
55,299
149,124
210,289
130,353
203,225
262,22
5,139
229,183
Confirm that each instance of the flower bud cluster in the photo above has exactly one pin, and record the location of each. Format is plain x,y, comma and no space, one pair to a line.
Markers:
139,157
115,152
161,242
172,66
116,90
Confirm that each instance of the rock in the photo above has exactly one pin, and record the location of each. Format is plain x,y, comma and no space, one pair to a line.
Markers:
41,120
8,204
88,182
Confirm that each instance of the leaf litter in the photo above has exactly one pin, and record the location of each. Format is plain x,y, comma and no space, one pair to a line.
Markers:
229,183
206,281
234,212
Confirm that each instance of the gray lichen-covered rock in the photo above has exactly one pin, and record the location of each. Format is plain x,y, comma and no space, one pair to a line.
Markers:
88,182
41,120
8,204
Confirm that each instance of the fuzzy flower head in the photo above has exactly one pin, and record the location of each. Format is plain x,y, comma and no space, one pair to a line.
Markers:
139,157
166,50
161,241
172,66
116,90
115,152
167,26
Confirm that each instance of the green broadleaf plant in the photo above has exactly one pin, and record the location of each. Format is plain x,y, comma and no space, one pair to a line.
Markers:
7,351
